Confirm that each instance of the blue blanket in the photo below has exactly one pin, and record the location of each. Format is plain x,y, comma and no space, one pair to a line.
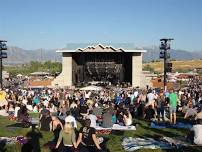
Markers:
163,125
132,144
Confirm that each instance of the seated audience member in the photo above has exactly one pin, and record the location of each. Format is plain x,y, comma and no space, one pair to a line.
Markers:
11,109
150,113
70,119
84,110
195,134
73,105
113,118
199,115
17,108
191,112
23,115
46,122
67,135
56,127
119,114
127,118
36,109
92,118
3,111
97,110
87,141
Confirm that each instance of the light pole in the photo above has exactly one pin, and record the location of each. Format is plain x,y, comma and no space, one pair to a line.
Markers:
2,55
165,45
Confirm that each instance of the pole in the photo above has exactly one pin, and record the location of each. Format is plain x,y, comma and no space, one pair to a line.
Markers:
1,69
165,45
165,70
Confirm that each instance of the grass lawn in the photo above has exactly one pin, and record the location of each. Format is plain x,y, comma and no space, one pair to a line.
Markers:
113,140
177,65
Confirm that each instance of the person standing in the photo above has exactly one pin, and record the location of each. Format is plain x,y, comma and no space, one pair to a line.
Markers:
172,106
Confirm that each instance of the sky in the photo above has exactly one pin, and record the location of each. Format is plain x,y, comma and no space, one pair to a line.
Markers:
51,24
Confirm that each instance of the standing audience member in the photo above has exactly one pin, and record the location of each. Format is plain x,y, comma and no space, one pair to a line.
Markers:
160,106
173,106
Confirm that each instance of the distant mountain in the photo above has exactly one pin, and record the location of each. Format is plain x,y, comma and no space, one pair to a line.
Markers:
18,55
153,54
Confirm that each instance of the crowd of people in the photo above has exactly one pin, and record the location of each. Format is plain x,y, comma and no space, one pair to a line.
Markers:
60,110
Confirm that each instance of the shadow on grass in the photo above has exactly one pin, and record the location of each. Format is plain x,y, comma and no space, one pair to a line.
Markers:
33,144
16,125
2,147
160,132
103,145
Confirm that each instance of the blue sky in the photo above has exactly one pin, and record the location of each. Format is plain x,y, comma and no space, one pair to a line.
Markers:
32,24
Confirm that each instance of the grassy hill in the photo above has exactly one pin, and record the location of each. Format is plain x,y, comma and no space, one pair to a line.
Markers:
178,66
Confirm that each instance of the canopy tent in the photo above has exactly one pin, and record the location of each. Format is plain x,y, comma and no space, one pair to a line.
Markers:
92,87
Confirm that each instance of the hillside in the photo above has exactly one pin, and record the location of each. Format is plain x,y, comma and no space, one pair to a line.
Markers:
153,54
18,55
180,66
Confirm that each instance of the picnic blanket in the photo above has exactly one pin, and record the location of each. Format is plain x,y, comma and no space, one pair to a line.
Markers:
13,140
164,125
116,127
132,144
106,131
178,142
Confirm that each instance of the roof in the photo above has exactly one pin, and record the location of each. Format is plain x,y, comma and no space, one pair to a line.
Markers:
40,73
100,48
42,83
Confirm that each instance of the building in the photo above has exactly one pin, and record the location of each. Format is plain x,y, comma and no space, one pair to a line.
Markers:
100,63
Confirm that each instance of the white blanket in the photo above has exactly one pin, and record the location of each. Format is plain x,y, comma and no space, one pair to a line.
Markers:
116,127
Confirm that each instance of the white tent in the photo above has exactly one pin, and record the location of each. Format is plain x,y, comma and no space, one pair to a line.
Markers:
92,87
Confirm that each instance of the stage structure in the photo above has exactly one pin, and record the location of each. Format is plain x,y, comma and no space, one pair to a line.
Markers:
100,63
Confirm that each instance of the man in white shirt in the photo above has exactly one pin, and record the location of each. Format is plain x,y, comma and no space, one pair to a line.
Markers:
70,119
92,118
151,98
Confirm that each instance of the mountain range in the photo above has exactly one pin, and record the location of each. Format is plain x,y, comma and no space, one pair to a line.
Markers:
153,54
18,55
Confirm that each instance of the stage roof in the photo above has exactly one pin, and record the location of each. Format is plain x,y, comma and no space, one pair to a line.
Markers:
101,48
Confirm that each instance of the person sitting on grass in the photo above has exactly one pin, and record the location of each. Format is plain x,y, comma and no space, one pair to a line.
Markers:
191,112
69,138
45,122
195,133
150,113
87,141
3,111
23,116
56,127
199,115
127,118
